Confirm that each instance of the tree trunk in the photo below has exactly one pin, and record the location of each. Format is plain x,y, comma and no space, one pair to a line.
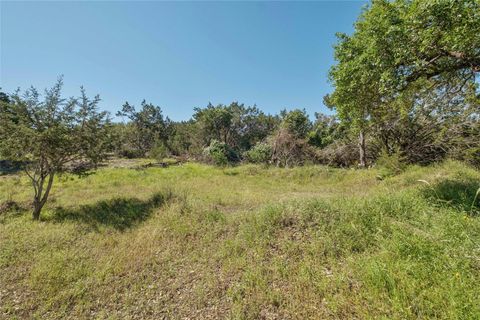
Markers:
361,144
37,208
40,200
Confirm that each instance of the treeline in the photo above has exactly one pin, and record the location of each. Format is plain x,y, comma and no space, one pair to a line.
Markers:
405,91
226,134
435,129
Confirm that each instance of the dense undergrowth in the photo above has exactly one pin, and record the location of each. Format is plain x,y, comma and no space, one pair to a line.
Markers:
246,242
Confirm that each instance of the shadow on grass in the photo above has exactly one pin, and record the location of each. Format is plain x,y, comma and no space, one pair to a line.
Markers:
9,209
456,193
117,213
10,167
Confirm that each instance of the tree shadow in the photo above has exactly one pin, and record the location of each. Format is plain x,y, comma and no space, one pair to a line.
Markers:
9,209
10,167
117,213
457,193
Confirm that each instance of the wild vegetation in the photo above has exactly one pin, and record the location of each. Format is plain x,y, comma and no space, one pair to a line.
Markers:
371,212
246,242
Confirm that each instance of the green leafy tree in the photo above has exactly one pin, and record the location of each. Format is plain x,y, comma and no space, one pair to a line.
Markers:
215,123
186,138
237,125
220,153
296,122
326,129
4,98
426,40
356,94
249,126
151,128
398,48
50,135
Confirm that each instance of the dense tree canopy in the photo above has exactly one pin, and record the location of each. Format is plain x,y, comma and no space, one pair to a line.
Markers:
401,51
397,43
237,125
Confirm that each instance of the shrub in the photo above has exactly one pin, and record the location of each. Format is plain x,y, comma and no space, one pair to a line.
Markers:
338,154
220,153
288,150
158,152
391,164
344,152
260,153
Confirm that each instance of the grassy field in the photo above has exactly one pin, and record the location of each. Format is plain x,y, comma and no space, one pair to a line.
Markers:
198,242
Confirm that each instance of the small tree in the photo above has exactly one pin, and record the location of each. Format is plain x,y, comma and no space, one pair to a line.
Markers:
51,135
149,128
296,122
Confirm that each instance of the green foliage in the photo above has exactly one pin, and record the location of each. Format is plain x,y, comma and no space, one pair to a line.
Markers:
186,138
296,122
390,164
398,44
215,122
261,153
246,242
237,125
148,127
220,153
4,98
325,131
402,56
158,152
52,135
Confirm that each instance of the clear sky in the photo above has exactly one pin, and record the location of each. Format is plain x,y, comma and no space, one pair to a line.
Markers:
178,55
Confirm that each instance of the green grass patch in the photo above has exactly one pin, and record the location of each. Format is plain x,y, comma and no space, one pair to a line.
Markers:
248,242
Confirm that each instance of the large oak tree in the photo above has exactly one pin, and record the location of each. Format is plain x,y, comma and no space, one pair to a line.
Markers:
400,48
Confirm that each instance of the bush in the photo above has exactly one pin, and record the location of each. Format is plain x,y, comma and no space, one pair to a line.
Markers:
288,150
391,164
158,152
260,153
130,153
339,154
220,153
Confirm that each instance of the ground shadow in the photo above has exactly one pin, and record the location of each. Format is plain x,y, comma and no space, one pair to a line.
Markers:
457,193
10,209
10,167
117,213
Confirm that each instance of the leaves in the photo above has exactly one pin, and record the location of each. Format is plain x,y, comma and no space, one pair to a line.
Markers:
396,44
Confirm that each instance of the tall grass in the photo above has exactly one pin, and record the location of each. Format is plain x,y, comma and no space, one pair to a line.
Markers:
245,243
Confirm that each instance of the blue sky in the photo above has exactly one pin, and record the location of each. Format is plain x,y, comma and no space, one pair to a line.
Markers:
178,55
